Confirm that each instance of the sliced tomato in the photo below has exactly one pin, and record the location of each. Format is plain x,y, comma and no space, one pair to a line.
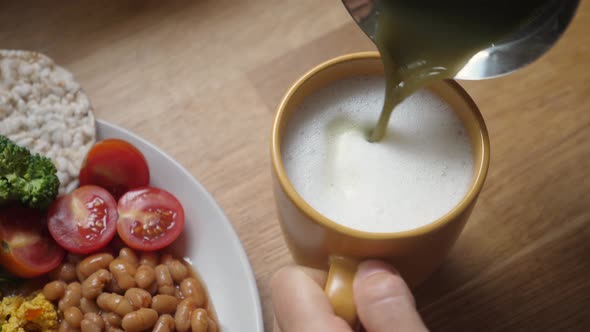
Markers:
27,250
115,165
83,221
149,218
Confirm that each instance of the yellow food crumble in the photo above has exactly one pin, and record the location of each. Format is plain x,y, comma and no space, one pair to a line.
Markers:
19,314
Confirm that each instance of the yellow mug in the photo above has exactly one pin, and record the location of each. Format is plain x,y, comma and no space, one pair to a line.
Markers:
318,242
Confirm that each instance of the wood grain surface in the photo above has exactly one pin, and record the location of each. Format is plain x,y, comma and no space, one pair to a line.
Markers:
201,79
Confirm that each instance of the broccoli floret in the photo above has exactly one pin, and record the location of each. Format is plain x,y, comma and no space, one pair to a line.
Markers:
26,178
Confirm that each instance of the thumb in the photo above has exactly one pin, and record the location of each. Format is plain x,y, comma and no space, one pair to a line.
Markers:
384,301
300,304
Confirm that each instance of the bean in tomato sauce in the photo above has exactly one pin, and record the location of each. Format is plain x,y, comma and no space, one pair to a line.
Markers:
131,291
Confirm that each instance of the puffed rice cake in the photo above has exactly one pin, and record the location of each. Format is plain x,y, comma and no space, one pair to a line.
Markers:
44,109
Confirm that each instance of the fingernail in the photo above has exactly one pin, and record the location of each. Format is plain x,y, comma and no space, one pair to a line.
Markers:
372,267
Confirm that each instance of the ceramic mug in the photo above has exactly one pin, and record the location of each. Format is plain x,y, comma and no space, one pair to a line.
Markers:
318,242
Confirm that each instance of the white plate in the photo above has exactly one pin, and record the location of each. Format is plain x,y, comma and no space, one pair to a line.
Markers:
209,240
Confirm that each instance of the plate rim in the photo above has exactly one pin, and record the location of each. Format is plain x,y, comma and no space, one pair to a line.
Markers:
229,227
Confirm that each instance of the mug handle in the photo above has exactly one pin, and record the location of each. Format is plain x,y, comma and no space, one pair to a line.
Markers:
339,288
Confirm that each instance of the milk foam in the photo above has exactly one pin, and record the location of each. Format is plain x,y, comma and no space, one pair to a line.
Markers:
415,175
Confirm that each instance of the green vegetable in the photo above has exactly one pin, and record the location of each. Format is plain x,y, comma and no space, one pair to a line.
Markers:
26,178
6,277
9,281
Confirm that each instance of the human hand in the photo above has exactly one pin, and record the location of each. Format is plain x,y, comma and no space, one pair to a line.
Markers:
384,301
359,9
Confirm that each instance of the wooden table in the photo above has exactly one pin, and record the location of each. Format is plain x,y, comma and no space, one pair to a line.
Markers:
201,79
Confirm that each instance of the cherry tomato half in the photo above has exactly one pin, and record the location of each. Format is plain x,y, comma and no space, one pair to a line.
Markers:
83,221
27,250
149,218
115,165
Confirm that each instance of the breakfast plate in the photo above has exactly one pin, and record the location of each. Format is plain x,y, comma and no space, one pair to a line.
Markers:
208,242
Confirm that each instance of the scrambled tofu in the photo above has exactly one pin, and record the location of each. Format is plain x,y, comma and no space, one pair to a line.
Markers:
20,314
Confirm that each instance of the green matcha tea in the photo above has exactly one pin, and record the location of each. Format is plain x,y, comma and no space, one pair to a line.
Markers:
422,41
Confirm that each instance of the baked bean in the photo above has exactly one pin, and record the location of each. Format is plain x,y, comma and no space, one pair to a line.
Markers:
199,320
165,304
164,324
114,287
139,298
93,263
139,320
114,303
87,305
182,317
191,288
114,329
111,319
178,293
73,316
123,272
74,258
65,327
54,290
92,322
71,297
65,272
212,326
149,258
145,277
94,284
178,271
153,289
128,255
95,318
166,259
88,326
159,294
164,280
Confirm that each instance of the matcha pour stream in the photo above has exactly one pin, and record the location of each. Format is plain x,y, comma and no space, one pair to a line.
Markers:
421,41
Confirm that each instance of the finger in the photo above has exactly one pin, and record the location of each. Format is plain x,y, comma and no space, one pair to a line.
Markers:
359,9
300,304
355,4
318,276
384,301
276,327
